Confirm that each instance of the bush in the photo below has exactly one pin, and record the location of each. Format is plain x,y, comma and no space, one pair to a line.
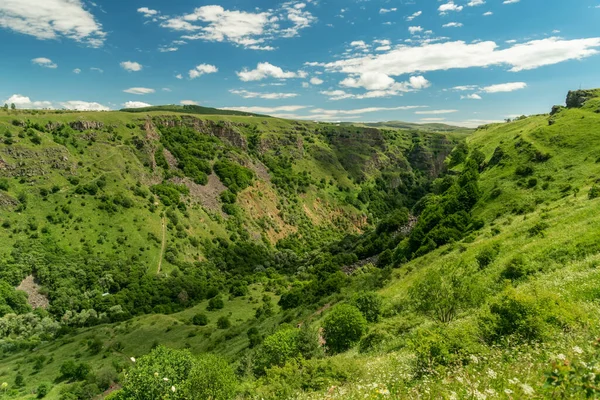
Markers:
43,389
373,340
593,194
75,371
343,328
444,292
223,323
370,305
200,320
4,185
216,303
211,378
146,380
487,256
524,317
516,269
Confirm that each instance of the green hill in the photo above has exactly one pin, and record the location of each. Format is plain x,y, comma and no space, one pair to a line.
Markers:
472,256
189,109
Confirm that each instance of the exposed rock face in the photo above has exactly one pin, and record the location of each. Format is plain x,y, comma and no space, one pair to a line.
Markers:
556,110
577,98
224,130
86,125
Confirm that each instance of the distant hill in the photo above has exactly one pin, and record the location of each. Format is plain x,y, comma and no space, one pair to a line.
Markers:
422,127
190,109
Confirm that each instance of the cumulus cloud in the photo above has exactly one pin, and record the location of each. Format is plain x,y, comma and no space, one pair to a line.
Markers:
202,69
414,29
44,62
79,105
147,12
450,6
25,102
249,29
267,70
505,87
387,10
405,59
452,25
136,104
267,96
76,71
52,19
475,3
316,81
139,90
188,102
266,110
377,85
131,66
472,96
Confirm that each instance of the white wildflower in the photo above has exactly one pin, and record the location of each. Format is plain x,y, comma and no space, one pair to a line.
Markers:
561,357
173,389
453,396
479,395
528,390
577,350
491,373
166,379
474,359
508,391
132,359
156,374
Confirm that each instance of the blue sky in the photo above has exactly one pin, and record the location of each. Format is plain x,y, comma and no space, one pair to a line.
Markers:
463,61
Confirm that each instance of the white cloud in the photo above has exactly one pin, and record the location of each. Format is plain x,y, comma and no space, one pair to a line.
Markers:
79,105
377,85
268,96
52,19
136,104
363,110
488,13
247,29
179,76
44,62
475,3
266,70
131,66
387,10
405,59
21,101
167,49
266,110
510,1
202,69
139,90
97,70
472,96
76,71
413,16
316,81
452,25
505,87
166,89
450,6
435,112
147,12
415,29
188,102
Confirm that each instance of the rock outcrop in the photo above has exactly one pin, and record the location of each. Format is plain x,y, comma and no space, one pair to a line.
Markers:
86,125
577,98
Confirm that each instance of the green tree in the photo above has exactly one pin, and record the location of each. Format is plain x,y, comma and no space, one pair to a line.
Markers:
369,304
443,292
211,378
343,328
223,323
216,303
5,107
43,389
19,380
12,106
200,320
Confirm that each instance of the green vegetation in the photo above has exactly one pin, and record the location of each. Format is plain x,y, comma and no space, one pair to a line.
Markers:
249,257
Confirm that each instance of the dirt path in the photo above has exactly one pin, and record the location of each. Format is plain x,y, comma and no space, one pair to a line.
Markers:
162,246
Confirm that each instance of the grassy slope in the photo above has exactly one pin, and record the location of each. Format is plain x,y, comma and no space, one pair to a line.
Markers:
565,255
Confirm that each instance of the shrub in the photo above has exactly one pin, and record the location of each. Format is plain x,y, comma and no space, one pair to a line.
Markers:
523,316
487,256
223,323
211,378
200,320
146,380
343,328
216,303
4,185
516,269
43,389
370,305
444,292
593,194
373,340
75,371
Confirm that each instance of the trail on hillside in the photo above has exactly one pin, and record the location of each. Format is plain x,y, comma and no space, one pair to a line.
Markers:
162,246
